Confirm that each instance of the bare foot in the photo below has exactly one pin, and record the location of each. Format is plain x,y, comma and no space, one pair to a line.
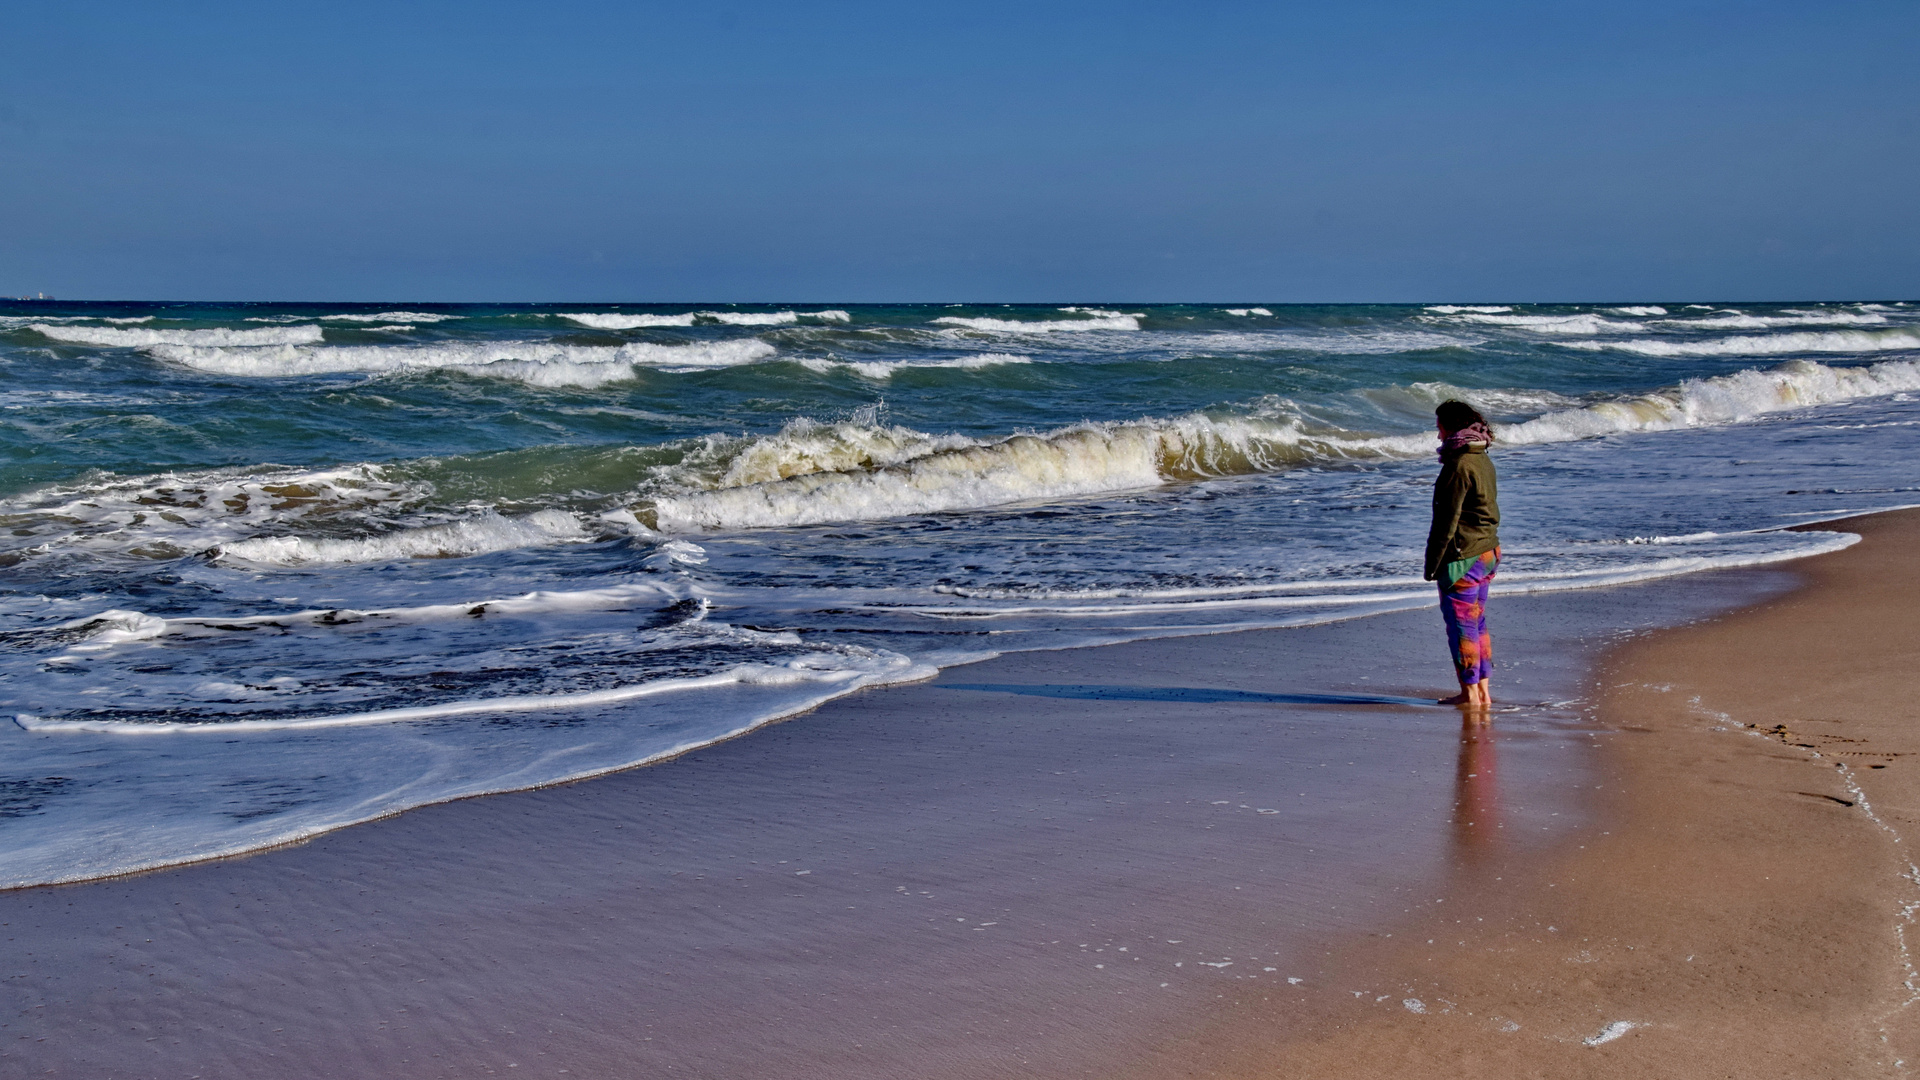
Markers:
1477,696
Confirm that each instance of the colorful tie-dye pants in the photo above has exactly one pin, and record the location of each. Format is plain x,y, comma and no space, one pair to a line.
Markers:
1464,606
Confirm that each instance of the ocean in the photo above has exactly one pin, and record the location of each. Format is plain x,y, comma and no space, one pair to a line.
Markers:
273,569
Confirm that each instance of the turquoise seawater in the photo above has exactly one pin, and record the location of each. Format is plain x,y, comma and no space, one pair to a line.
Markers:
270,569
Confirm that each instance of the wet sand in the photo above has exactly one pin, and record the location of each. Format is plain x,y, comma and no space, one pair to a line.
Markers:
1743,909
1059,864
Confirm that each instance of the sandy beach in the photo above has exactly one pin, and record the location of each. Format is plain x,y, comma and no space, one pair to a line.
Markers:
1744,909
776,542
1168,858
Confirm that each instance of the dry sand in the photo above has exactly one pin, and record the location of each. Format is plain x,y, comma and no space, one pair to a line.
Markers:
1744,910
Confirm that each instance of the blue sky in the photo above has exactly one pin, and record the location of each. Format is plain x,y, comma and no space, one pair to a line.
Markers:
984,151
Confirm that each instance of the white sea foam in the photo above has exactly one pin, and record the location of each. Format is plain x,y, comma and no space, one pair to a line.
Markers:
1106,320
805,446
1554,324
932,474
391,316
1740,320
469,536
1455,309
825,669
852,473
404,772
1722,399
1813,543
1638,309
1247,311
770,318
1369,341
1611,1032
1334,597
1181,345
111,628
144,338
20,399
554,373
116,627
880,369
170,515
378,316
601,321
853,470
1831,341
810,472
540,363
618,321
1301,604
1029,467
15,322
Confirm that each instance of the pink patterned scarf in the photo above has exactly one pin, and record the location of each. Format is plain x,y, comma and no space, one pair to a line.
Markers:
1456,441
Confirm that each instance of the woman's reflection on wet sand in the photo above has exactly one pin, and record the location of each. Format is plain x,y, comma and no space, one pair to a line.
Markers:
1476,792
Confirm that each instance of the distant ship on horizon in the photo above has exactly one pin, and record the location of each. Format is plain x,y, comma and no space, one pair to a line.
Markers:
36,296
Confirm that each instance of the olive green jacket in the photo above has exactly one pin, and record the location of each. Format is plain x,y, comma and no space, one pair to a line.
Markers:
1466,512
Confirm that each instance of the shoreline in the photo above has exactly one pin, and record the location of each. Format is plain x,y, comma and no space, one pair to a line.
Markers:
919,673
1747,909
932,801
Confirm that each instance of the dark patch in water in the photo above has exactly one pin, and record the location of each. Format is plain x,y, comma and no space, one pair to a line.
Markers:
682,611
23,798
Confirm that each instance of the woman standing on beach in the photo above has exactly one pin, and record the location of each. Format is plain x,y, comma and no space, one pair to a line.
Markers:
1463,546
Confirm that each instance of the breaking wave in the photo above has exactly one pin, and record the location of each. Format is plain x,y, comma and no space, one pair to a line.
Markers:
361,317
470,536
391,316
1740,320
171,515
814,473
538,363
1085,459
1723,399
1095,319
770,318
921,474
143,338
1553,324
16,322
618,321
884,369
628,322
1831,341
